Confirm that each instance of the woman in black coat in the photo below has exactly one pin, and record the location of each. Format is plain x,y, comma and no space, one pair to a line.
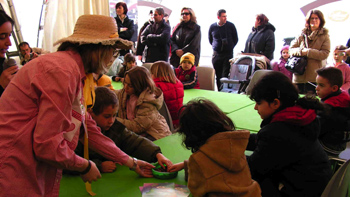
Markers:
125,25
186,38
262,38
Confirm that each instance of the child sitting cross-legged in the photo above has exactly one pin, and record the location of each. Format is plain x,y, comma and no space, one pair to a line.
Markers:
218,165
104,113
187,72
335,130
139,102
287,158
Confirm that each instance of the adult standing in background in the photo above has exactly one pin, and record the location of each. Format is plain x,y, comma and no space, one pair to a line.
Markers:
140,47
6,73
125,25
318,49
262,38
223,38
186,38
156,38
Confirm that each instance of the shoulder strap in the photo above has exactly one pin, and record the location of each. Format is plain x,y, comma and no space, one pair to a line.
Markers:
305,41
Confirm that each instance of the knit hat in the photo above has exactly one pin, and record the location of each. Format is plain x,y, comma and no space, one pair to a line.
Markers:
187,56
285,47
95,29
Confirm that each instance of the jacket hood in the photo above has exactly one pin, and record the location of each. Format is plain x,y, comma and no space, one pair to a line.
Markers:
295,115
231,158
340,99
265,27
155,99
313,35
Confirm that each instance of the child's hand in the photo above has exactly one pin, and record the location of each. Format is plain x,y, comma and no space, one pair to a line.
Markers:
108,166
176,167
163,160
144,169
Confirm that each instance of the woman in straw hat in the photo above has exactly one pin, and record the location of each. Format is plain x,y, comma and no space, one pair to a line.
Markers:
43,113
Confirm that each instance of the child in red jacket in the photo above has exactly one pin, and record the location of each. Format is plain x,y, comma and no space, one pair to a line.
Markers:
173,90
187,72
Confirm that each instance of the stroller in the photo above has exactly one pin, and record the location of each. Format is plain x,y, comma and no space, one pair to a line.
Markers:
242,69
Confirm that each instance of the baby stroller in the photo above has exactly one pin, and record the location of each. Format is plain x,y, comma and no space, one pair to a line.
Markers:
242,69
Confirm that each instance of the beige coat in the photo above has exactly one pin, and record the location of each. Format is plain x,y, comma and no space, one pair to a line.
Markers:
318,50
220,168
147,118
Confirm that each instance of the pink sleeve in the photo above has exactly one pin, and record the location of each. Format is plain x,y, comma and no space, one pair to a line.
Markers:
346,77
54,117
104,145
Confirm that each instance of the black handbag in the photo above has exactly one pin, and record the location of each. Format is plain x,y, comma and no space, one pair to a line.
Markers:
297,65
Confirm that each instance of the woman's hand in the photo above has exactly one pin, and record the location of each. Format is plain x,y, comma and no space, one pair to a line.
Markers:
108,166
163,160
304,52
92,175
176,167
7,75
144,169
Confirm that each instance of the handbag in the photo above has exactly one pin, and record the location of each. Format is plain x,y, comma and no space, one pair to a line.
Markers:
296,64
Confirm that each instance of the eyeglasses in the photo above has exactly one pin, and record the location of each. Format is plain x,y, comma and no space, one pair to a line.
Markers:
315,18
155,14
185,13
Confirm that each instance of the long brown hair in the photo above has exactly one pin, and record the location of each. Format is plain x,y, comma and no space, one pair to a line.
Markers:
140,79
163,71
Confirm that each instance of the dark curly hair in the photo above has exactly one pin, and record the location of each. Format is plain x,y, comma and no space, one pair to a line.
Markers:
199,120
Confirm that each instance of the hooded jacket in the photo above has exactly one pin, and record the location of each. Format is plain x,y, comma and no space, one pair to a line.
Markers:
318,50
220,167
287,152
147,118
261,41
335,121
173,97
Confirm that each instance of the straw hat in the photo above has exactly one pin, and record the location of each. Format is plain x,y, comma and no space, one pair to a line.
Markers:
95,29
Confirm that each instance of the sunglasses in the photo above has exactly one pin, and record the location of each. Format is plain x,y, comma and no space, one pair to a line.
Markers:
185,13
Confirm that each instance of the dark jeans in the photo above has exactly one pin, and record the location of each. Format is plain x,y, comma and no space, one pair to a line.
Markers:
306,88
221,65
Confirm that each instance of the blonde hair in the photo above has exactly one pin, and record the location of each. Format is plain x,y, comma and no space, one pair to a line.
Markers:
92,55
163,71
140,79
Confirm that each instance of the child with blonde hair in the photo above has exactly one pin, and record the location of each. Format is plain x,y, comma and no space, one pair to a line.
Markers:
173,90
139,103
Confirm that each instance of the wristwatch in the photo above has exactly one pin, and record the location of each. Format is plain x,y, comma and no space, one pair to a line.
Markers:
133,168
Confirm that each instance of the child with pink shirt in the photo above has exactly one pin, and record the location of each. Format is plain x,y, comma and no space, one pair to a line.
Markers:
339,62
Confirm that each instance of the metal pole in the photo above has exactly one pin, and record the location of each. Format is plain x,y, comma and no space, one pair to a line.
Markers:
14,18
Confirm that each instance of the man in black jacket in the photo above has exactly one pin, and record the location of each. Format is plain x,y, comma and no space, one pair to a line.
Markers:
223,38
156,38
